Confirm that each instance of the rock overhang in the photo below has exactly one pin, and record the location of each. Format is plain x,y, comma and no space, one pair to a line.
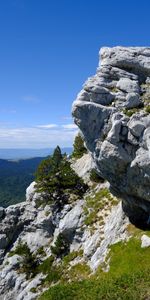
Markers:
113,113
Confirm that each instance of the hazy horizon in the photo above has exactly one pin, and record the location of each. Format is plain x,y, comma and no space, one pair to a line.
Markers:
25,153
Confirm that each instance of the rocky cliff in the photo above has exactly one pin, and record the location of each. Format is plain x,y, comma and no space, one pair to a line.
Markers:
113,113
30,230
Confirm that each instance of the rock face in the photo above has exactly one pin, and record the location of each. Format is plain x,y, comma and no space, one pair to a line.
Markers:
37,227
113,113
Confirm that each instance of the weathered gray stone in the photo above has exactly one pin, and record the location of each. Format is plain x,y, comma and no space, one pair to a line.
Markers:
128,85
91,243
136,128
133,59
132,100
145,241
72,220
30,191
120,147
32,195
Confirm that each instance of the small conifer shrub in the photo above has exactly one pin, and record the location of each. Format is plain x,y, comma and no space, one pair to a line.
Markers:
56,180
61,247
78,147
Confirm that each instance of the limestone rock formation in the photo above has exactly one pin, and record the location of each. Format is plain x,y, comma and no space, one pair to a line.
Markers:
38,226
113,113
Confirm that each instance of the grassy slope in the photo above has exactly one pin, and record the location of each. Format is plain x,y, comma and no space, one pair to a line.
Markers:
128,278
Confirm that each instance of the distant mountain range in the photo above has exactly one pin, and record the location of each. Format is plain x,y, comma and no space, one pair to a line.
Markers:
15,154
15,177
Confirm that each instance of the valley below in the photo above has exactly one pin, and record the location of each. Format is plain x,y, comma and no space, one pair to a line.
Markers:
15,177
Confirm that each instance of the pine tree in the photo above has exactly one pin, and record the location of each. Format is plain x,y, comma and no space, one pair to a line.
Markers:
57,180
57,156
79,148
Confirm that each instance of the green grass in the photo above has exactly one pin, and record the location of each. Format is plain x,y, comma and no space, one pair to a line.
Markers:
77,272
128,278
46,265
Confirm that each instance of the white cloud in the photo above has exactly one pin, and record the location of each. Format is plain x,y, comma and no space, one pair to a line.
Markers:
47,126
70,126
33,137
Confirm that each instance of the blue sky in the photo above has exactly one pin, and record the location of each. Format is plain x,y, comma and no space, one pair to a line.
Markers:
47,50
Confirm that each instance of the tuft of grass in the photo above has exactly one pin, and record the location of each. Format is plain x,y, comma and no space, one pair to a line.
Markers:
33,290
41,251
130,112
71,256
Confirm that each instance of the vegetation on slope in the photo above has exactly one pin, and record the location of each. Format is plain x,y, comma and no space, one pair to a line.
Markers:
128,278
95,203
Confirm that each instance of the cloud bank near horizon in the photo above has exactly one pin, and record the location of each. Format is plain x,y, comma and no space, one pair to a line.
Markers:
39,136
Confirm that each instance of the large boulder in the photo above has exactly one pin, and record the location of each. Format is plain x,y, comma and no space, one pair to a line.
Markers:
112,111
